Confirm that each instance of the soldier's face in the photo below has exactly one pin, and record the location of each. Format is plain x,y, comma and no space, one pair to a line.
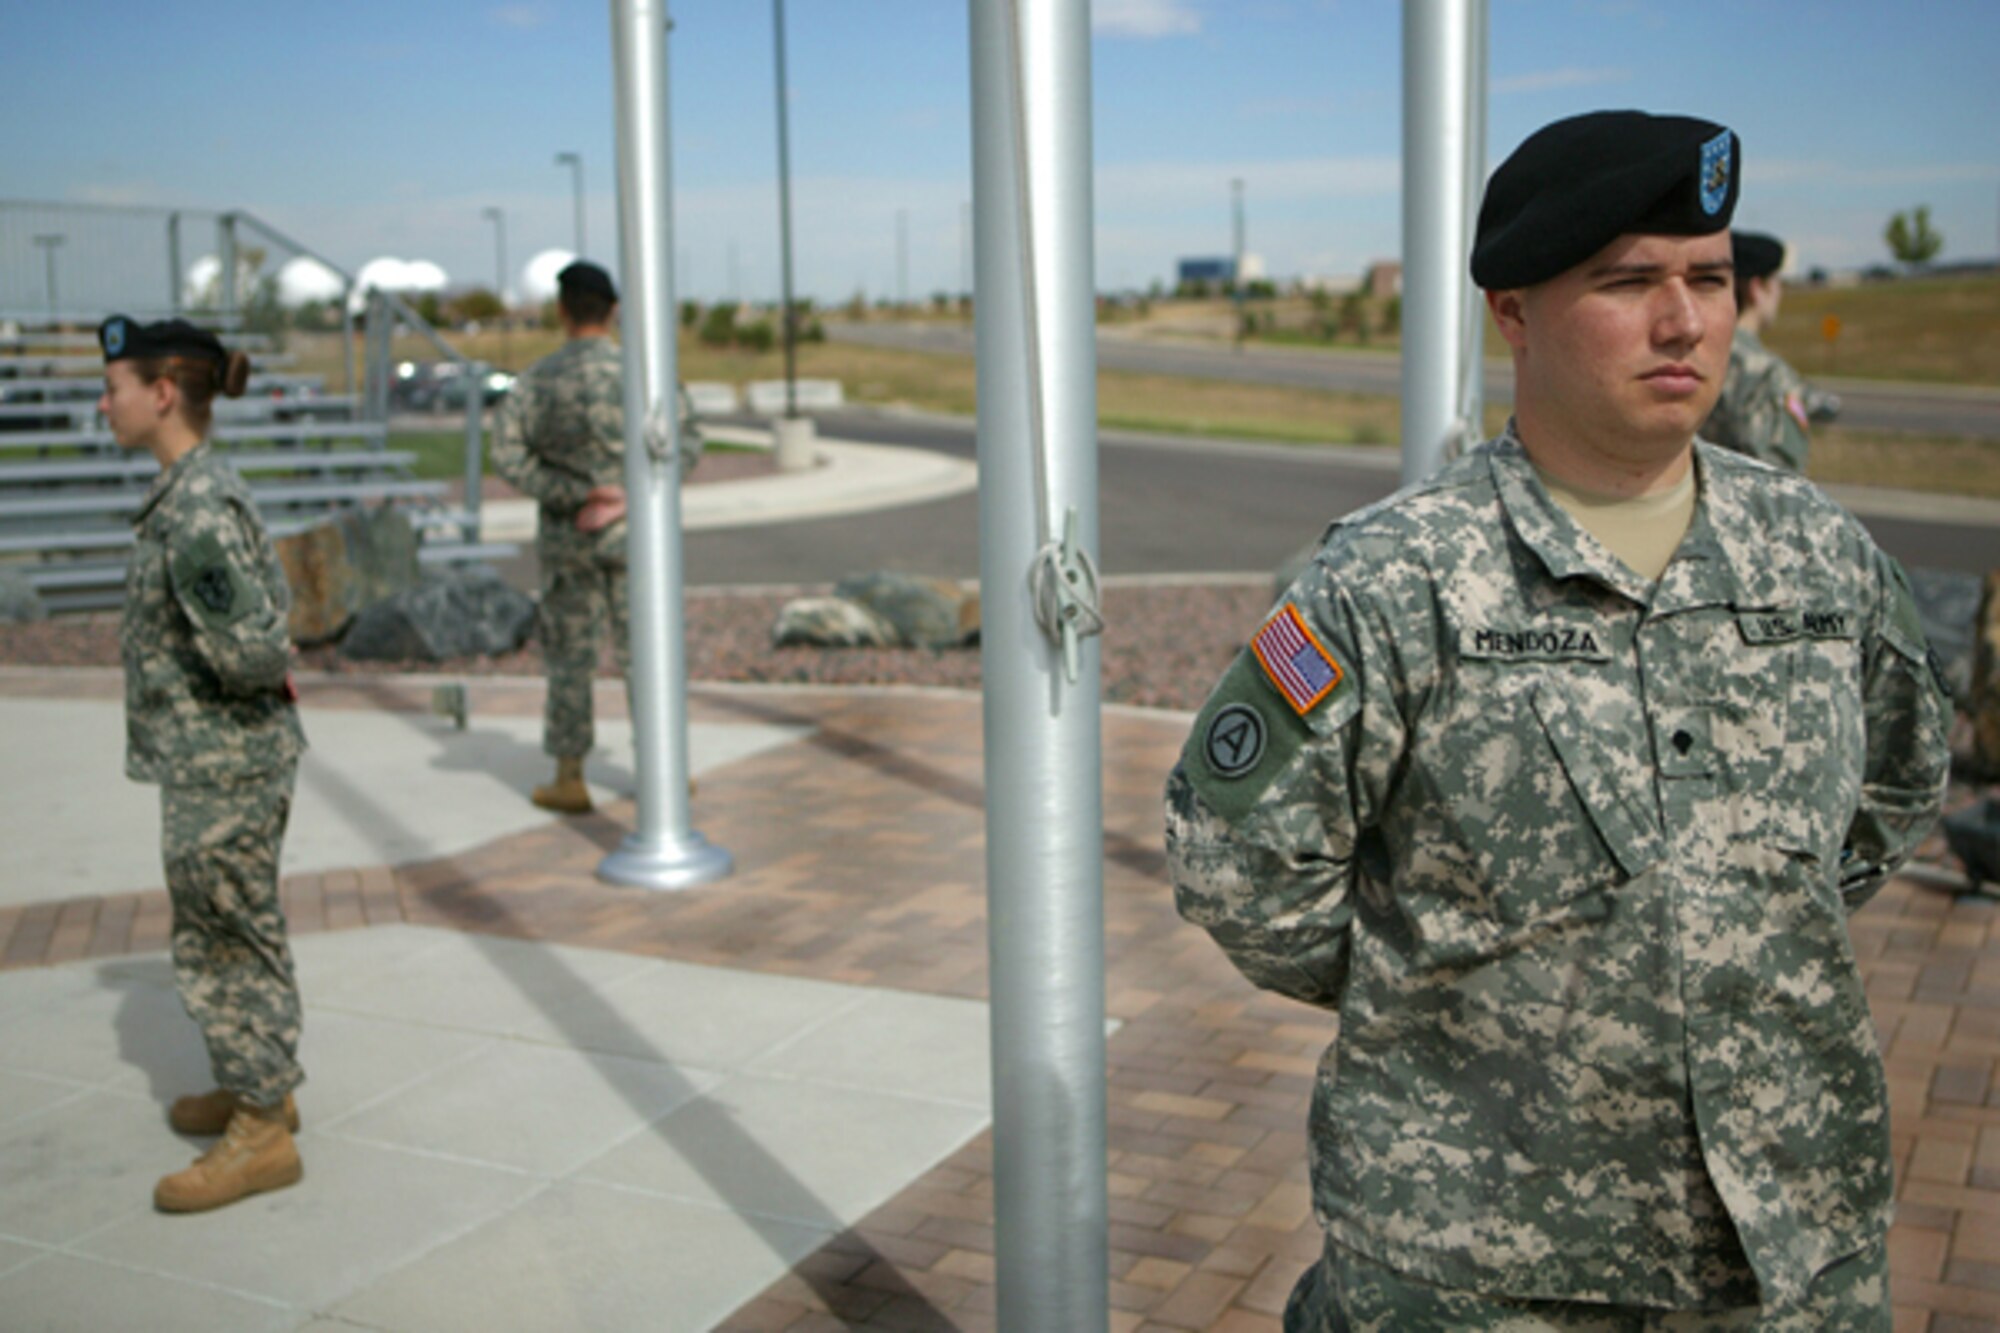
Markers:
1625,353
131,408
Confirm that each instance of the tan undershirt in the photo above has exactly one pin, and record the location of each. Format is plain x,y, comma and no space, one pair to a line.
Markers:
1643,531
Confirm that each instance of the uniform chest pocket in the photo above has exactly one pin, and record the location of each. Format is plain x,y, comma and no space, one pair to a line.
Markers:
1790,743
1530,809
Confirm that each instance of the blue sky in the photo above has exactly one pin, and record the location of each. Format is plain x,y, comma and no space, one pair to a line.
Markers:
367,128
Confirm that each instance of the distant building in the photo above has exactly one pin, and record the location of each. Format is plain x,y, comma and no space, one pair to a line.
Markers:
1212,272
1383,279
1219,271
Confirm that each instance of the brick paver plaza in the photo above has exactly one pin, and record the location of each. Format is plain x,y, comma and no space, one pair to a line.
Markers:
860,860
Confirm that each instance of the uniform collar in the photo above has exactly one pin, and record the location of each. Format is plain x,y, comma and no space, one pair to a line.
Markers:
1703,572
168,479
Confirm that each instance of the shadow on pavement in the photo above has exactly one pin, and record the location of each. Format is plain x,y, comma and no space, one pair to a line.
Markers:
589,1013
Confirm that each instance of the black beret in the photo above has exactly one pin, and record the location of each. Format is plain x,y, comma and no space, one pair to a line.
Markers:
1579,184
580,275
122,338
1755,254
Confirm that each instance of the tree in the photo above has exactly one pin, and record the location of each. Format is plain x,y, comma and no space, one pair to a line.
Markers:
480,303
1911,239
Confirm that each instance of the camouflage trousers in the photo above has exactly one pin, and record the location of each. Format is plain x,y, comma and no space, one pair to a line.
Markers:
581,597
232,963
1348,1293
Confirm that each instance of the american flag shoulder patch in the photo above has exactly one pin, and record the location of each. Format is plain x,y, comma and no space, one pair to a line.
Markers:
1295,660
1796,405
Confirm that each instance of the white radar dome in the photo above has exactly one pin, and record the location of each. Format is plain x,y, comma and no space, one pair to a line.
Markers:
538,278
304,279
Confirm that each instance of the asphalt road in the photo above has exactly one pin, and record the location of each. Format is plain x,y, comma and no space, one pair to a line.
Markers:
1164,507
1865,404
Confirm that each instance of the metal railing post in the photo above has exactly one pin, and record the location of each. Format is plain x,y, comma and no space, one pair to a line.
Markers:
378,335
225,229
348,382
475,462
664,851
1036,365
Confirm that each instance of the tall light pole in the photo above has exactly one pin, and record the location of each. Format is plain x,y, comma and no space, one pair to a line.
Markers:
1236,264
50,244
903,257
574,161
965,249
785,218
499,221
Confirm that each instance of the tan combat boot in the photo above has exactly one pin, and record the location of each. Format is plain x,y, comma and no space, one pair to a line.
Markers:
209,1112
254,1154
566,795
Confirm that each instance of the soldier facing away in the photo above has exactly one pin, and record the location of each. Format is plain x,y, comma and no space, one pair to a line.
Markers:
1557,775
210,717
1762,411
560,438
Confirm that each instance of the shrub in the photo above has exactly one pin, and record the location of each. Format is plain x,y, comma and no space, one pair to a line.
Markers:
718,326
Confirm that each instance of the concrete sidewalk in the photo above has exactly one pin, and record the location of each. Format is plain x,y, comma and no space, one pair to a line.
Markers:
848,478
540,1102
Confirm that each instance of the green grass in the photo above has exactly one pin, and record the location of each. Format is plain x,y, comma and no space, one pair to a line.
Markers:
1931,330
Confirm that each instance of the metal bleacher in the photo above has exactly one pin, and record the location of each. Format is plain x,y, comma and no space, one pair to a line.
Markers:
68,492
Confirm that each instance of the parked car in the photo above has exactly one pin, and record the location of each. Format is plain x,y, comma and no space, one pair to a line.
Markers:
451,390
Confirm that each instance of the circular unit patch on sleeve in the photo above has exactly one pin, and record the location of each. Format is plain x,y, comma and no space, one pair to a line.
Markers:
1235,740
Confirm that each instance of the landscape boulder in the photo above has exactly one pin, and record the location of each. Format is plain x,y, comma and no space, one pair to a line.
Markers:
348,562
19,601
883,610
464,612
1983,696
1949,605
831,622
927,613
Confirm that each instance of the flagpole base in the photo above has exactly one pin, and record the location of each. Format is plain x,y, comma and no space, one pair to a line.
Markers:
665,864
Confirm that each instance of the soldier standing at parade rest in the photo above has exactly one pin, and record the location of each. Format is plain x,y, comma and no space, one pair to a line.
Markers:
210,716
1557,775
1762,411
560,438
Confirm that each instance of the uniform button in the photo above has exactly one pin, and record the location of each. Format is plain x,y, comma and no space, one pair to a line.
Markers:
1683,741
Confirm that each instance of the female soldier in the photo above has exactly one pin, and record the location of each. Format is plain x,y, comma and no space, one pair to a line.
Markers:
210,718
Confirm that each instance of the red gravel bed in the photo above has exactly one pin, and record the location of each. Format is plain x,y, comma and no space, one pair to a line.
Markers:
1163,647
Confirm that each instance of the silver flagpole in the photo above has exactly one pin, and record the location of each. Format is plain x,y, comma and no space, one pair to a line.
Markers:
1437,84
1035,326
1472,329
664,852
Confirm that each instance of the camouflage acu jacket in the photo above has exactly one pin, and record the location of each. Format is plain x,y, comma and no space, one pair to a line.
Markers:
1572,855
204,636
561,431
1762,411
